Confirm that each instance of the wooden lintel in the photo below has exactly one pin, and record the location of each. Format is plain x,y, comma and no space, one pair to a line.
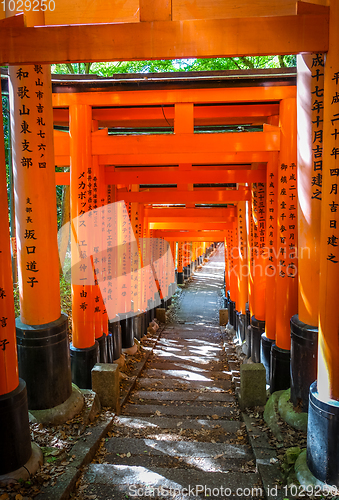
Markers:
167,196
120,176
174,213
191,235
191,226
165,40
172,96
176,144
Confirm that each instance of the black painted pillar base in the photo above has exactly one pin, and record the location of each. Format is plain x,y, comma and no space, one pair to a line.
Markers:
138,325
322,438
231,312
257,329
180,278
248,333
280,369
304,355
241,327
184,270
82,362
16,448
265,355
44,362
114,340
102,341
127,330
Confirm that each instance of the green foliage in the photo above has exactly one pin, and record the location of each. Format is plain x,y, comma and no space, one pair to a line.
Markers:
66,297
6,129
106,69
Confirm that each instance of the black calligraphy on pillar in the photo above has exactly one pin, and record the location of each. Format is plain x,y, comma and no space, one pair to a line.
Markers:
242,229
317,92
271,220
332,233
29,235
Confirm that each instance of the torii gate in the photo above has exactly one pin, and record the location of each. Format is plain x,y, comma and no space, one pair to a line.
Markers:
179,30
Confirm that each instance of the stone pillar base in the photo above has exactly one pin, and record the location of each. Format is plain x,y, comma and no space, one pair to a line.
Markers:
16,447
322,438
280,369
102,348
44,362
61,413
82,362
258,328
304,355
265,354
27,470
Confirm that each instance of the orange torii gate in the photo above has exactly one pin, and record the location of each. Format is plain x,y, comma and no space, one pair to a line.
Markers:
180,30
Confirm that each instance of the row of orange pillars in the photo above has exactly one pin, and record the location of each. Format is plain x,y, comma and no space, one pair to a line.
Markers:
119,273
281,258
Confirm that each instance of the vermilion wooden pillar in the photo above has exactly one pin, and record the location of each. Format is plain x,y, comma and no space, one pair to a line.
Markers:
243,269
46,366
304,325
287,278
96,190
84,348
258,269
268,338
16,448
180,275
323,415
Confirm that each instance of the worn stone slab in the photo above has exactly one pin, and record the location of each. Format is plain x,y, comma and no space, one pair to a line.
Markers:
123,476
229,426
177,448
203,375
105,382
181,396
271,478
252,385
257,437
190,365
193,385
223,316
178,411
218,463
188,353
84,451
160,314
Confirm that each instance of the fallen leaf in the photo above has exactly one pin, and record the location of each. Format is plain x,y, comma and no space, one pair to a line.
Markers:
215,417
128,454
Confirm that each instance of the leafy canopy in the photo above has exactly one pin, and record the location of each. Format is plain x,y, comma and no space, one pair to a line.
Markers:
107,69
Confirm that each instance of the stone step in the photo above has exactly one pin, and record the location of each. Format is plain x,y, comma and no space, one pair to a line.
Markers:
218,463
194,337
202,376
188,365
189,385
121,481
189,349
154,423
168,354
181,396
181,411
136,446
178,352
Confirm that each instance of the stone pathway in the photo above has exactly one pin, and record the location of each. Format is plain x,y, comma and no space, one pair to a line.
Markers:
180,434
